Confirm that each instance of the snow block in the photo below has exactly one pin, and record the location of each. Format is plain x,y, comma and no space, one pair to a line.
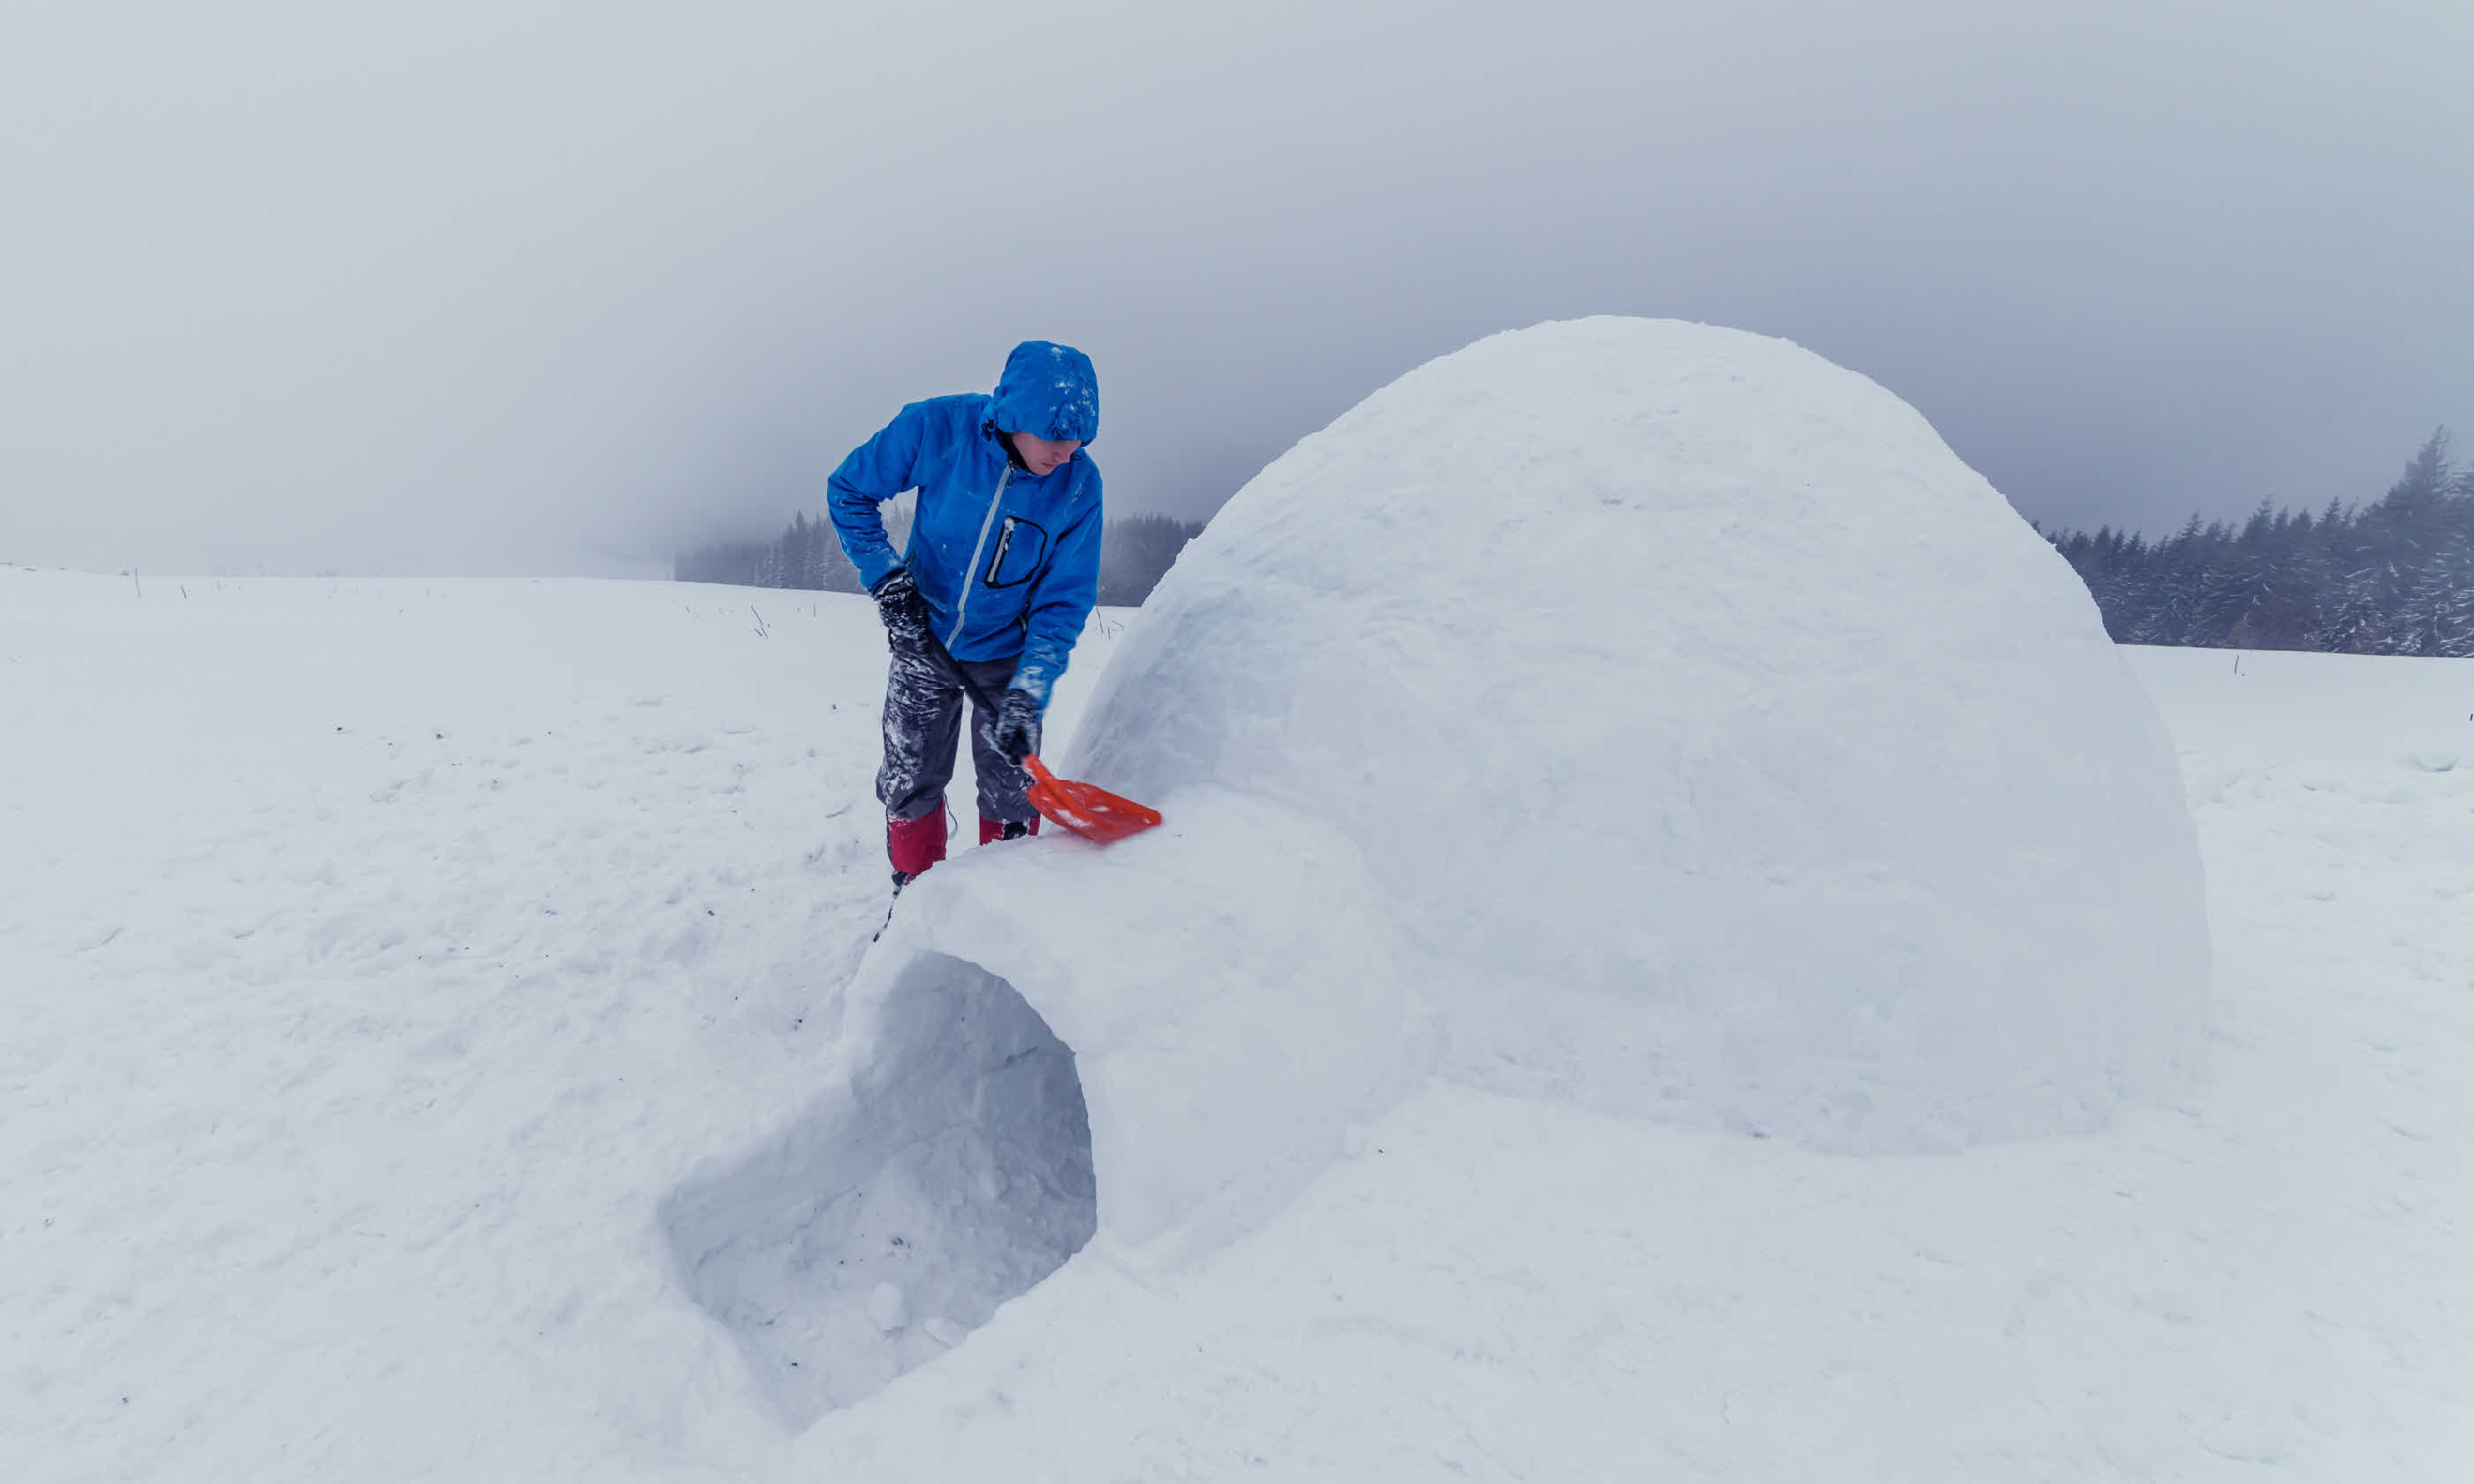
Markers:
1720,745
1229,982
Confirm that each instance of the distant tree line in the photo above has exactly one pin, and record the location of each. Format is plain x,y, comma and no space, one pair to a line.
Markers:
2395,577
1135,552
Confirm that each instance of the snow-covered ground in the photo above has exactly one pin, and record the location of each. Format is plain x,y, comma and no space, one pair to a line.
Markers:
391,967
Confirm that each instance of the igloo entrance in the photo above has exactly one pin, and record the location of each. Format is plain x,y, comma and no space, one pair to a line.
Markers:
895,1216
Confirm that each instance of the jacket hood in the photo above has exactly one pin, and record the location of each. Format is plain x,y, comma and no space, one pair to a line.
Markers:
1048,391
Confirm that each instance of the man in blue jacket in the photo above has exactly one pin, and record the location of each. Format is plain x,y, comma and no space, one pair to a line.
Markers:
1003,566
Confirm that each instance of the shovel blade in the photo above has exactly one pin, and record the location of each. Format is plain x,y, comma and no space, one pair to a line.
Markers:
1090,811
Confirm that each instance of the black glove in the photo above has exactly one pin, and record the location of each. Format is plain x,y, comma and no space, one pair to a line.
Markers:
899,604
1017,730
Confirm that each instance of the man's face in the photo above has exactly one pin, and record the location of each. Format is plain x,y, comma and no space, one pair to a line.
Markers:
1042,455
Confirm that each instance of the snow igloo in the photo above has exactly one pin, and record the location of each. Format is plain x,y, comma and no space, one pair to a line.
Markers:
1642,713
1721,747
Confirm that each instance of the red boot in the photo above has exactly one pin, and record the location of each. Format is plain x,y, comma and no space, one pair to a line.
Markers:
916,845
993,831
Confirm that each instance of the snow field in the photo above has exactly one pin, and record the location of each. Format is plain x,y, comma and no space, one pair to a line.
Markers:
375,953
351,1107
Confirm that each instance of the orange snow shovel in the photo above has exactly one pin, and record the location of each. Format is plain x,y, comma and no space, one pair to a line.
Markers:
1087,809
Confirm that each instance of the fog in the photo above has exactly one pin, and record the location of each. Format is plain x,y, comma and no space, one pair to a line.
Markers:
547,288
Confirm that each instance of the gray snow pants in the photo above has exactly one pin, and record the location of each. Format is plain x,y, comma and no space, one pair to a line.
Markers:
922,715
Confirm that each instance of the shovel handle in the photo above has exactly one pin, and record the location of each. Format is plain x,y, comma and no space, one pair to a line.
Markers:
1038,769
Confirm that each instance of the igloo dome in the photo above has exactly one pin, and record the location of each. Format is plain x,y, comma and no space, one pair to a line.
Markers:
1723,747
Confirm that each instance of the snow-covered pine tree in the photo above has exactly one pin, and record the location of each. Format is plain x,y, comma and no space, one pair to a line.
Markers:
2172,597
2428,479
2436,617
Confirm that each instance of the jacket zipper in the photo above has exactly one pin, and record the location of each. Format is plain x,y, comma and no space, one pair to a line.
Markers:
971,573
996,559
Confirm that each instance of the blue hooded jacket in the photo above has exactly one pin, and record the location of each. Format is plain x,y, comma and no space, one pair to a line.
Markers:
1008,564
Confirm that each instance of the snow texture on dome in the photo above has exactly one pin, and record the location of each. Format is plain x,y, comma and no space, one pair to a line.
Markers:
1642,713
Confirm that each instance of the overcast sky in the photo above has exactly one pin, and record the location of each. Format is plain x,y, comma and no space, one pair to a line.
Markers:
521,287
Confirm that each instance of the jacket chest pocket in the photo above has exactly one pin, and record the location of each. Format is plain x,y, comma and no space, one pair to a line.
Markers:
1022,546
